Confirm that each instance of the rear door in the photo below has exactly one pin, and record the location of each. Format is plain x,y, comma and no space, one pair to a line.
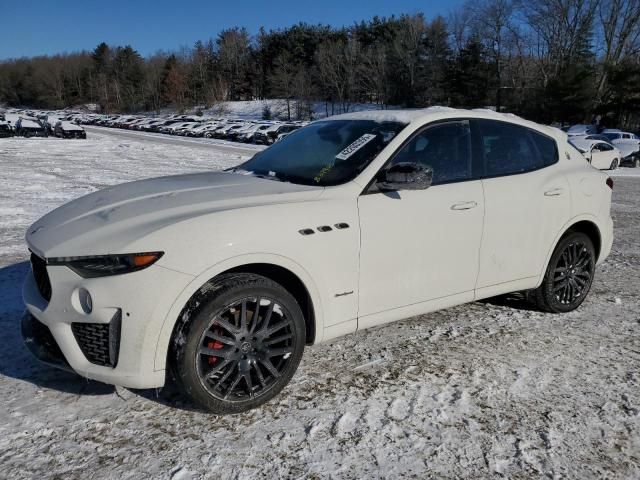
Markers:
527,202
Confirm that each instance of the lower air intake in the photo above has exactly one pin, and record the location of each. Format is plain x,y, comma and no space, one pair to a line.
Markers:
99,342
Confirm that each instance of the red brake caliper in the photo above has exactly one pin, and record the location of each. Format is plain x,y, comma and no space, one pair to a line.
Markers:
215,345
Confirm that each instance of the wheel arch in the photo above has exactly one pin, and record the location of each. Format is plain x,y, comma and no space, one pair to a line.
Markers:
587,224
591,230
282,270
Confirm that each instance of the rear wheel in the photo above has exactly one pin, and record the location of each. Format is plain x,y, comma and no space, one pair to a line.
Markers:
242,345
636,163
614,164
569,275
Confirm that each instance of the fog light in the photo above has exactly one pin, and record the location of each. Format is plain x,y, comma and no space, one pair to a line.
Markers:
86,302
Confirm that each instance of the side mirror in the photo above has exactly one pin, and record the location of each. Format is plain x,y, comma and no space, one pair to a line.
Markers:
405,176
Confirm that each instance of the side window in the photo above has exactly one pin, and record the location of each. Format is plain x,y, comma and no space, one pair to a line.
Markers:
603,147
445,147
547,148
508,148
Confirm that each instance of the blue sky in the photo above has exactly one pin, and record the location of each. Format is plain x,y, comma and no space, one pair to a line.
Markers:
36,27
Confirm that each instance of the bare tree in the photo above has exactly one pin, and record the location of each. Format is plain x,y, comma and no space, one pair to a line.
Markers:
373,73
407,47
338,63
283,79
493,23
560,28
620,36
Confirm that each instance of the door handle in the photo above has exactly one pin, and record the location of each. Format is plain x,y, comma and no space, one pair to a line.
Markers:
464,206
554,192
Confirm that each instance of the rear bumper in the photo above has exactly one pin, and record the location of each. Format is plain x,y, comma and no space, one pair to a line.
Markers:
606,235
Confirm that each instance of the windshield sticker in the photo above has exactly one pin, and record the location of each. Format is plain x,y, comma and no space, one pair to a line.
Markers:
322,173
355,146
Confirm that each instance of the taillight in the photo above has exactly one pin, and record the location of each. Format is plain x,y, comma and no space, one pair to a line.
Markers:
610,183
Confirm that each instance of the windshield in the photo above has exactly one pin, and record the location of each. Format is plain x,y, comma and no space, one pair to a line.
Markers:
324,153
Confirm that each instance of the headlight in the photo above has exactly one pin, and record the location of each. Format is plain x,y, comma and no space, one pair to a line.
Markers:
106,265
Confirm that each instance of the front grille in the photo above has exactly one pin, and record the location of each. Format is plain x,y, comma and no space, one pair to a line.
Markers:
99,342
39,267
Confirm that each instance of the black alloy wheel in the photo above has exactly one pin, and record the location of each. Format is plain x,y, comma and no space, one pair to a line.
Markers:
569,275
245,349
241,345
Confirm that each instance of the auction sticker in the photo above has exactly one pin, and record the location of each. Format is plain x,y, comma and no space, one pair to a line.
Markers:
355,146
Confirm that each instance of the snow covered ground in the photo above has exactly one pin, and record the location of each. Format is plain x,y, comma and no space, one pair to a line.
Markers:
489,389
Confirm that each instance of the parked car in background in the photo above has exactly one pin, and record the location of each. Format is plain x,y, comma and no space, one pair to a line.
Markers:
65,129
30,128
631,160
5,129
601,155
598,136
628,144
226,130
582,130
269,136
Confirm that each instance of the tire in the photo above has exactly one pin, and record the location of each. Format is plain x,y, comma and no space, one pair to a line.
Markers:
614,164
569,275
636,163
230,367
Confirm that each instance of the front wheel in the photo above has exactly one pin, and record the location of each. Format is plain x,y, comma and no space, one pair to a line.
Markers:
568,276
636,163
241,346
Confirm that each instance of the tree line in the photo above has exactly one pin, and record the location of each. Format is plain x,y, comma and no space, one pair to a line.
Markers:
548,60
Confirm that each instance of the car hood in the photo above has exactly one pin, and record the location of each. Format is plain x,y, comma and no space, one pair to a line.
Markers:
109,220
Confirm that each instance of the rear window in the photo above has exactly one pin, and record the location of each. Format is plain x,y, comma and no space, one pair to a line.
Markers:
547,148
510,149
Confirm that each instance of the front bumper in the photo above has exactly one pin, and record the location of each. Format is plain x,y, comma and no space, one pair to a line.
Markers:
138,301
40,342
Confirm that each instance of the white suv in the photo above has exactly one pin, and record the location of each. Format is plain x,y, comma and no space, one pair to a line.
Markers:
347,223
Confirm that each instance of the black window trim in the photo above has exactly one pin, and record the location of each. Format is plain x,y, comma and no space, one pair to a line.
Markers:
368,190
477,151
535,146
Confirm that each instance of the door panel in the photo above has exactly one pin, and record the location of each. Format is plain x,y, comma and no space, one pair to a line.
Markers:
602,160
525,207
419,245
523,214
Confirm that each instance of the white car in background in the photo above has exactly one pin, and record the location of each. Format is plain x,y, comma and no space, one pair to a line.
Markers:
602,155
348,223
581,130
628,144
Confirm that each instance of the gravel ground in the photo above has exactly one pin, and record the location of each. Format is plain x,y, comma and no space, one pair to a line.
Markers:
491,389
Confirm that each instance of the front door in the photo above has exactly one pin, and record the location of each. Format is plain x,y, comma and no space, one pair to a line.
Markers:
422,245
